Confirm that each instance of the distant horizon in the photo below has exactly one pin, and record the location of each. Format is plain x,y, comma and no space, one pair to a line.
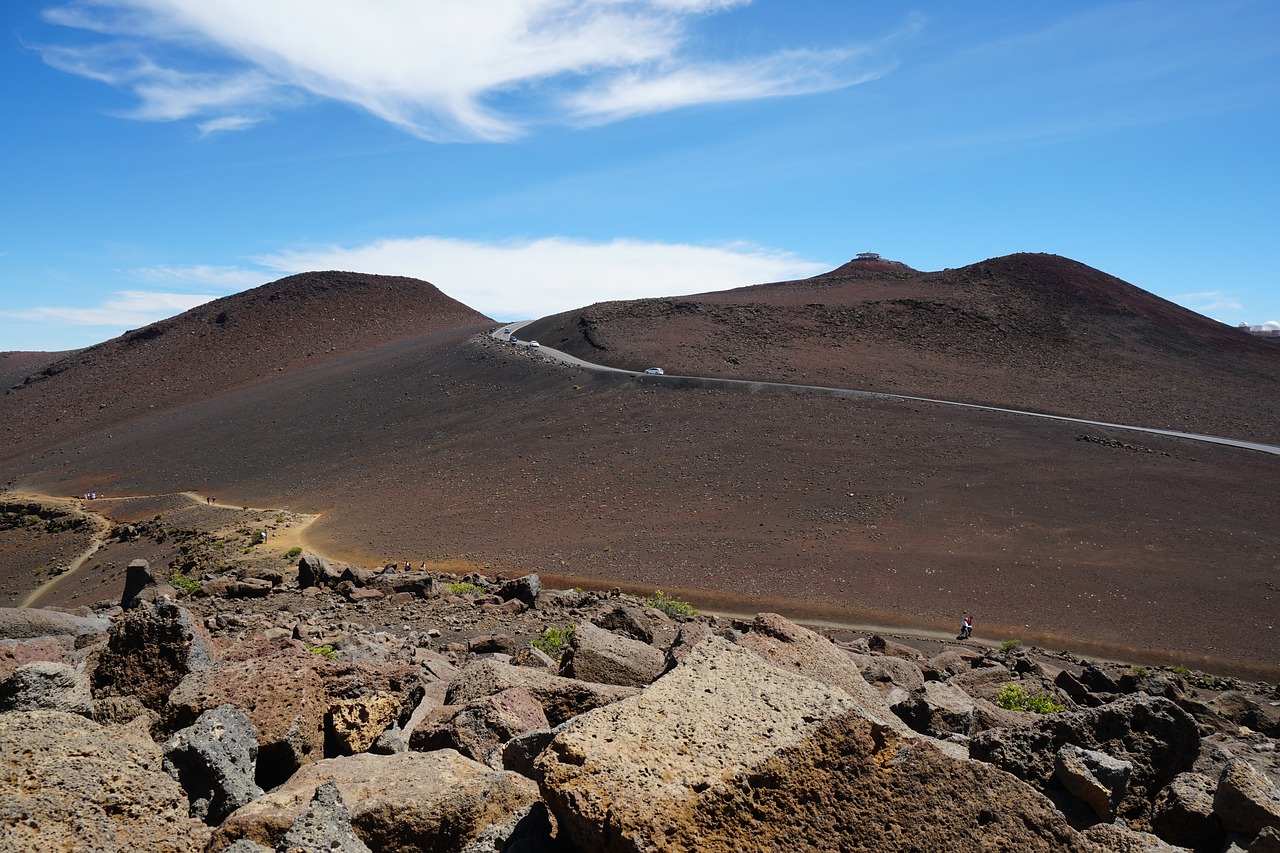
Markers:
539,157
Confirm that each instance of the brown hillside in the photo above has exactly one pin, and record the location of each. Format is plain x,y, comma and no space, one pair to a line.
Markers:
1038,332
224,344
449,447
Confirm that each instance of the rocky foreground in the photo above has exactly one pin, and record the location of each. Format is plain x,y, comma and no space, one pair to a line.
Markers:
344,709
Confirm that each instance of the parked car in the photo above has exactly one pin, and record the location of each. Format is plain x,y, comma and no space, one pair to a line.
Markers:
654,371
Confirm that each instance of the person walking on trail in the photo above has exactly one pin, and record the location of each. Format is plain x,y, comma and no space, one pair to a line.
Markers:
966,627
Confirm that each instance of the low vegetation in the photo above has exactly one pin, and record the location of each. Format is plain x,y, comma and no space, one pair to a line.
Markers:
184,583
463,588
325,651
552,641
1014,697
671,605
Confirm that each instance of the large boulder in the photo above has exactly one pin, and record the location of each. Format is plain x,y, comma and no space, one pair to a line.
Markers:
1183,812
314,570
628,620
283,695
885,673
149,651
606,658
727,751
141,584
1246,801
215,760
1157,737
437,801
304,706
67,783
1094,777
561,698
46,686
525,589
54,649
478,728
325,825
18,623
793,648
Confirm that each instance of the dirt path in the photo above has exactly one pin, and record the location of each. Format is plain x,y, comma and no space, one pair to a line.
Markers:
75,507
281,540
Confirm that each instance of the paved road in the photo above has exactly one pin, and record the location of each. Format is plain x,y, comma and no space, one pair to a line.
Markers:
705,381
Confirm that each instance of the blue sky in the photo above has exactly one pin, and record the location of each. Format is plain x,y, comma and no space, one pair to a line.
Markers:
531,156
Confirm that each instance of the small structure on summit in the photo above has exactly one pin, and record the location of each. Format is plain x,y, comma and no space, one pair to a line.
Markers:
868,256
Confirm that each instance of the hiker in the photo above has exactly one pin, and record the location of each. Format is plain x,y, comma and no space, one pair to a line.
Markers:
966,627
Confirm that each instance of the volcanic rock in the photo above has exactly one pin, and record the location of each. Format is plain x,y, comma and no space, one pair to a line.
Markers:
149,651
561,698
215,760
1246,800
69,784
46,686
606,658
479,727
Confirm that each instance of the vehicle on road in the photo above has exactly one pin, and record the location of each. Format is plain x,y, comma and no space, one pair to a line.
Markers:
534,344
654,371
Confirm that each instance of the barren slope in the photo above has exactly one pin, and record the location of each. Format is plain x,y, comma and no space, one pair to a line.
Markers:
1038,332
449,446
227,343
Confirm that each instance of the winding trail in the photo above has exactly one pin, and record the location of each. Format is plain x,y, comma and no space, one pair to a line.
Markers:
760,385
279,543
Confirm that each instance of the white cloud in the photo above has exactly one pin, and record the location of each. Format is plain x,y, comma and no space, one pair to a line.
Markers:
1210,300
230,278
129,308
440,69
534,278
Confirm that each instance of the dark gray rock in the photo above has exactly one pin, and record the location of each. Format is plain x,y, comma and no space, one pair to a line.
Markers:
316,571
215,761
141,584
1246,801
627,621
525,589
1184,815
46,686
1095,777
1157,737
1266,841
325,827
1097,680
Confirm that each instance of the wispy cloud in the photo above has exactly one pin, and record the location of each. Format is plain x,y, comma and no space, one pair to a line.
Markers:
126,308
230,278
1210,300
533,278
440,69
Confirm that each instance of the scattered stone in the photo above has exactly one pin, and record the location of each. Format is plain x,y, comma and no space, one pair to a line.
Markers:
1119,838
314,571
353,725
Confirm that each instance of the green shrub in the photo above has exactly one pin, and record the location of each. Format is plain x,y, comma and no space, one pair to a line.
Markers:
325,651
292,552
553,640
184,583
671,605
1011,645
1014,697
1141,671
1180,670
463,588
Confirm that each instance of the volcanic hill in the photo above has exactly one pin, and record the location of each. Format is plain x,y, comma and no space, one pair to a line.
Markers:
415,437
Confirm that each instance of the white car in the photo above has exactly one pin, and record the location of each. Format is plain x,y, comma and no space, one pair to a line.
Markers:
654,371
534,344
